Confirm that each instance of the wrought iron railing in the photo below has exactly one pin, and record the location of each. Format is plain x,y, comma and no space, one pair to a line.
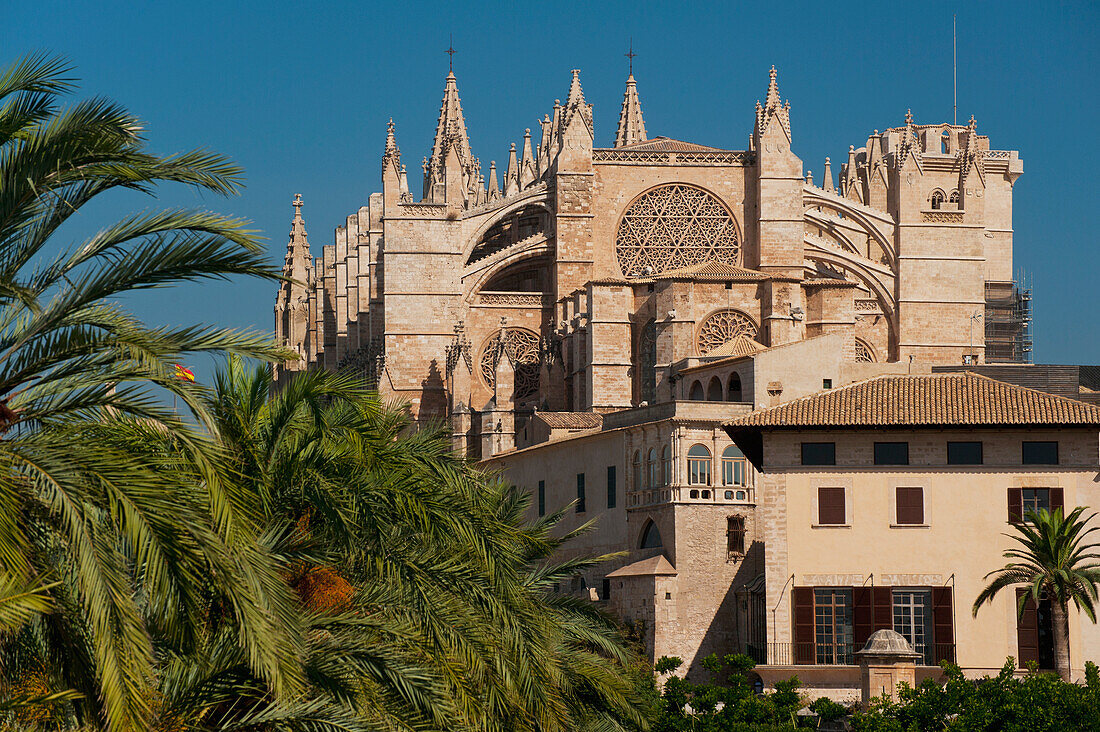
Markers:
832,654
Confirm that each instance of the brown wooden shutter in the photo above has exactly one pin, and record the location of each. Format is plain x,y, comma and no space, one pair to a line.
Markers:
873,609
830,506
1027,631
1057,499
802,598
910,505
943,624
1015,505
884,608
863,619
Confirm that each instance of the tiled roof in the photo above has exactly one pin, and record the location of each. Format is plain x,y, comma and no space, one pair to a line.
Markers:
667,144
740,346
709,271
935,399
571,420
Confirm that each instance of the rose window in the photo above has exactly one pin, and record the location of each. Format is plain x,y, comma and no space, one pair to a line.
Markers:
675,226
523,348
722,327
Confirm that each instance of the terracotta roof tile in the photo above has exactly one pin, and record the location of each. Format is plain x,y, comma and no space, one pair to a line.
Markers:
740,346
571,420
935,399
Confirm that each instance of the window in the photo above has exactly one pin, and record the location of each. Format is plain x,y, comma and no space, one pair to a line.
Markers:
651,468
580,493
937,200
1021,501
666,465
826,383
733,466
833,634
964,453
830,506
733,392
611,487
819,453
699,465
696,394
910,505
1040,453
913,619
651,537
542,498
637,470
891,453
714,390
606,594
735,535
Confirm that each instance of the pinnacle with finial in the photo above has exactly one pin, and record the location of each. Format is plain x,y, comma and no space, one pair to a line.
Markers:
297,205
630,55
908,117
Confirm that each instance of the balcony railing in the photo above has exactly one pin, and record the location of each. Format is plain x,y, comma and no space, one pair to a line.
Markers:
832,654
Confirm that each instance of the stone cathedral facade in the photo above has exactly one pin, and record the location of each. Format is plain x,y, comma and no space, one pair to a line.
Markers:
575,278
592,321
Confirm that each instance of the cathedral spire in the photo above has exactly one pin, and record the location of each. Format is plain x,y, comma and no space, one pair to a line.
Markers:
392,155
631,125
773,108
827,178
450,132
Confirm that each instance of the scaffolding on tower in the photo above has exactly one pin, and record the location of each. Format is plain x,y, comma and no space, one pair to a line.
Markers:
1008,322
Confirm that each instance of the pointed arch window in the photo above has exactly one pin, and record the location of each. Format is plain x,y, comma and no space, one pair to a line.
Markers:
937,200
637,473
954,200
666,465
696,394
651,537
651,468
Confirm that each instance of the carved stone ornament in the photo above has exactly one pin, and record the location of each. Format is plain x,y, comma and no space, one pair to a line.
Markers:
675,226
522,347
722,327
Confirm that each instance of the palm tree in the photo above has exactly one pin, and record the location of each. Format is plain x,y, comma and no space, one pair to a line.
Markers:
90,519
426,594
1055,561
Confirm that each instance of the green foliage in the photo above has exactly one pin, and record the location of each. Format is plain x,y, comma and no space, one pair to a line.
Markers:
828,710
1037,702
728,702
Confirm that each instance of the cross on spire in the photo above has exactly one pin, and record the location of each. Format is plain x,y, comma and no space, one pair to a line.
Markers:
298,204
450,54
630,55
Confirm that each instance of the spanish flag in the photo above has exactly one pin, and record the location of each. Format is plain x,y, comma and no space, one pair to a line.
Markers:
184,373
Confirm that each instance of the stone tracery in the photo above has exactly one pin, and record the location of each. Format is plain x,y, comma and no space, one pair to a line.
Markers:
675,226
522,346
722,327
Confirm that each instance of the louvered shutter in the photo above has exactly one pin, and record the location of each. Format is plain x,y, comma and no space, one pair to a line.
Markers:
1027,631
802,598
1057,499
830,506
910,505
943,624
1015,505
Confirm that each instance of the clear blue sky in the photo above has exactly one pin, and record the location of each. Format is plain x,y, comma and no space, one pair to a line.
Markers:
299,94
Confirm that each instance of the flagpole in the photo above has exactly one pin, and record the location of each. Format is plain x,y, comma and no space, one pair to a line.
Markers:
954,73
